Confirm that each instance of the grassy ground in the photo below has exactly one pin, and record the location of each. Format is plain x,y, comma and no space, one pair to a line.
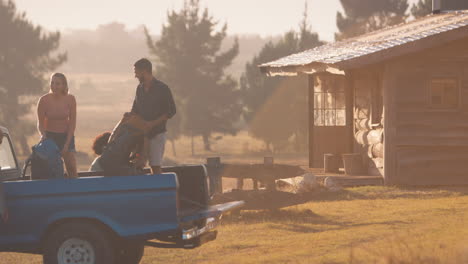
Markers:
357,225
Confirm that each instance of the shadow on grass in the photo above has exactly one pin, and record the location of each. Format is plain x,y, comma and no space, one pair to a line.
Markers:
271,200
330,226
298,220
276,216
385,192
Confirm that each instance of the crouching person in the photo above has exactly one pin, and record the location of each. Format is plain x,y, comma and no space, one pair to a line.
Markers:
100,142
122,151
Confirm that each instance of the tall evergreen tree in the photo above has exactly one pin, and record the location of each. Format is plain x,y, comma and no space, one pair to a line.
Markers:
421,8
189,59
275,108
26,54
362,16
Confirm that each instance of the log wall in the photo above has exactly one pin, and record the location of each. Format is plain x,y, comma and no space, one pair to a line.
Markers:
368,129
431,144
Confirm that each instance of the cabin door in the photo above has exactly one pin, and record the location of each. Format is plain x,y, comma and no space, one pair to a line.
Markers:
329,132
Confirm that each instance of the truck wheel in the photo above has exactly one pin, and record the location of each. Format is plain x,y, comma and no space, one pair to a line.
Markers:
80,243
130,252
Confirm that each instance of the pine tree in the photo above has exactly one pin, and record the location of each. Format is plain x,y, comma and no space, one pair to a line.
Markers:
189,59
422,8
275,108
362,16
26,54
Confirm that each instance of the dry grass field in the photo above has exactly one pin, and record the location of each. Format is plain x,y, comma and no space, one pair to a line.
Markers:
381,225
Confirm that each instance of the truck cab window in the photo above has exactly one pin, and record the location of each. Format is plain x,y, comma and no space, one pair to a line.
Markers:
7,160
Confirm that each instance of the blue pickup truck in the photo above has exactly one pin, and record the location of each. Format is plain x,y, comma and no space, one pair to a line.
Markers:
104,220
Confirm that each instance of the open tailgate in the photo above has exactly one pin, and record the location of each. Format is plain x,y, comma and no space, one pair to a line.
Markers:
195,236
213,211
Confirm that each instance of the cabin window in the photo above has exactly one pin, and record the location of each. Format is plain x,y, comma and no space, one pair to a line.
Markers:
444,93
329,101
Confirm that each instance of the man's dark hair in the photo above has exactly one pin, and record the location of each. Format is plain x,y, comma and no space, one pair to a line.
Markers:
144,64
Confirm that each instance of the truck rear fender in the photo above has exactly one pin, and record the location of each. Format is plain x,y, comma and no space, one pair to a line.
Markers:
108,230
66,217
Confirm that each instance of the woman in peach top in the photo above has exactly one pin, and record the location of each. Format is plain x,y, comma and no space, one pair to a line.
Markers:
56,115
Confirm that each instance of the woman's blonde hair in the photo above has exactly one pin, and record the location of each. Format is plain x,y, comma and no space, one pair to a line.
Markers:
64,80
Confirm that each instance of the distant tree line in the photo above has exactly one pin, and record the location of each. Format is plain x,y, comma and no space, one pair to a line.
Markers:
110,48
94,50
192,56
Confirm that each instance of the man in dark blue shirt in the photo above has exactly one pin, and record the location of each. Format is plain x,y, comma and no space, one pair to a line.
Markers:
155,104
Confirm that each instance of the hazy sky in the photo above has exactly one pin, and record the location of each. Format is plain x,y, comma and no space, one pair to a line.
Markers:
264,17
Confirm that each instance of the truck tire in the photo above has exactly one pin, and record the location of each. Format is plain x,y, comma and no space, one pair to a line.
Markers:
83,243
130,252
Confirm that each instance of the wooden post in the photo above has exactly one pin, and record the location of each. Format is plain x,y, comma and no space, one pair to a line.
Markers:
255,184
213,161
311,120
268,160
270,183
240,183
214,174
390,172
349,95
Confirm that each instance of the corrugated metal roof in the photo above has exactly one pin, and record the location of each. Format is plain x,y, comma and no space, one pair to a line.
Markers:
377,41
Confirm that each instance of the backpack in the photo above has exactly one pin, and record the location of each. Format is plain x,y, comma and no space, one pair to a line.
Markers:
46,161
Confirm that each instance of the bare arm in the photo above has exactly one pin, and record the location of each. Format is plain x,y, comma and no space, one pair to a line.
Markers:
153,123
142,153
72,122
41,115
116,129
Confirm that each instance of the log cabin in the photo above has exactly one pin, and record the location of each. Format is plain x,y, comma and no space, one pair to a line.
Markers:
396,98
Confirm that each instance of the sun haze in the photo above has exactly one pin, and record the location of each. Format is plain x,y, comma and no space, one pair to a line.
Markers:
262,17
